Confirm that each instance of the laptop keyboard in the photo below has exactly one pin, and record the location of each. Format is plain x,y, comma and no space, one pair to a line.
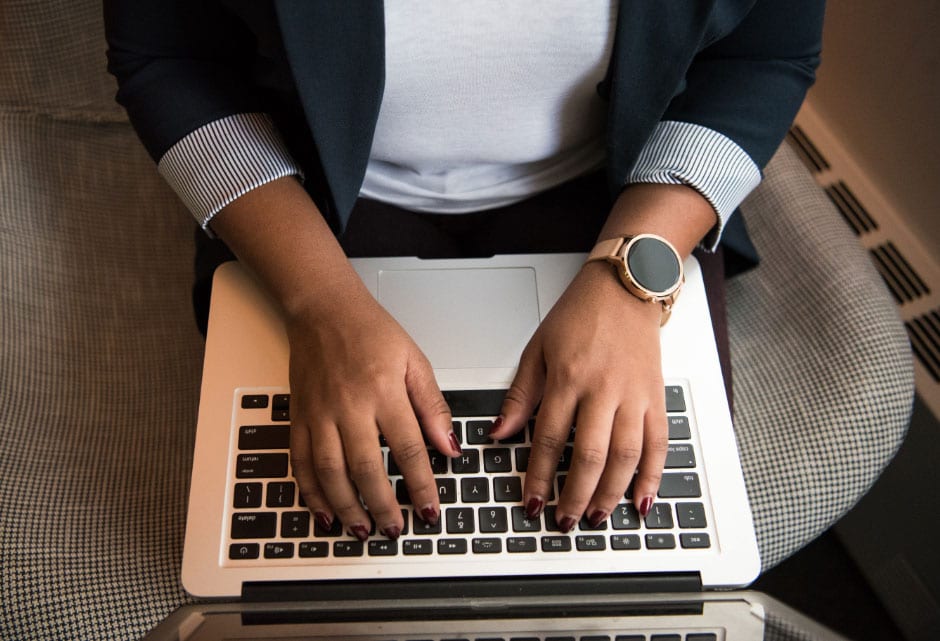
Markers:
480,494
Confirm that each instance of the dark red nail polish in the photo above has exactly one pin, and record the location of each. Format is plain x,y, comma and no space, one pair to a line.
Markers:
454,444
567,524
392,532
361,532
496,424
429,515
323,520
597,517
645,506
534,507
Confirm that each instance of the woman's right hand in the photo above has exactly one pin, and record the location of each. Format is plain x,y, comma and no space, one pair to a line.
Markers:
354,371
355,374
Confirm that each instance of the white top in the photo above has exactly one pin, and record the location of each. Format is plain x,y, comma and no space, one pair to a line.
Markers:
488,102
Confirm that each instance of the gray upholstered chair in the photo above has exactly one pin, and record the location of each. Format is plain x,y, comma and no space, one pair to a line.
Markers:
100,359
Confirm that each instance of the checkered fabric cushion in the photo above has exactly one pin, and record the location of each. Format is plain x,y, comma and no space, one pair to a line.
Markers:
100,359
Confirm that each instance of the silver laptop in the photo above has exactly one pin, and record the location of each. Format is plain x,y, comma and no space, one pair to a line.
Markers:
249,536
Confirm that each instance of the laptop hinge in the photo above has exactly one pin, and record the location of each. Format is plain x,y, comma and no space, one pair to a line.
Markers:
471,587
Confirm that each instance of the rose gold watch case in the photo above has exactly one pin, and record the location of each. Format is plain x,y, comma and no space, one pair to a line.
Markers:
615,251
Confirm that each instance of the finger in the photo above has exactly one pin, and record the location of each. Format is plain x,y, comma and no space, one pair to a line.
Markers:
653,458
626,444
524,393
552,427
411,456
594,421
367,472
429,406
329,465
301,462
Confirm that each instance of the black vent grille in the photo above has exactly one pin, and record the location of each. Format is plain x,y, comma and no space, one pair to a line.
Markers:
905,284
924,332
852,211
806,150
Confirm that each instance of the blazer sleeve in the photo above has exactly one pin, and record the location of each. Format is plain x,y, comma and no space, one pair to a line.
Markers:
181,68
740,97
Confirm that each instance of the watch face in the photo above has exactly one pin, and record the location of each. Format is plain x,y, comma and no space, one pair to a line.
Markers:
653,265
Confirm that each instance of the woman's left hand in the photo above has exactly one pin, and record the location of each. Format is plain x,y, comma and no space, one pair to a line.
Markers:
594,363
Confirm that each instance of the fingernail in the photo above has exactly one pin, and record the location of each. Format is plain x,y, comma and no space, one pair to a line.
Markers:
597,517
323,520
454,445
496,424
361,532
645,506
429,515
567,524
534,507
392,532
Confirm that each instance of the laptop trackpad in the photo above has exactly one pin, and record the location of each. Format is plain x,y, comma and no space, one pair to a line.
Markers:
464,317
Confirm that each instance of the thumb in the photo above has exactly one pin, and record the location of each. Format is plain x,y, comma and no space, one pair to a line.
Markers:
524,393
430,408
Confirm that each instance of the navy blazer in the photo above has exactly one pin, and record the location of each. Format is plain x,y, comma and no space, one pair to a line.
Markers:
739,67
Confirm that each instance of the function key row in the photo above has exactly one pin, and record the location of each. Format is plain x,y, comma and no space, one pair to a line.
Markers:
476,545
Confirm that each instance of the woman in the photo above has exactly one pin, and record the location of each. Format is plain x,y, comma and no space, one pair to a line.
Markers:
439,128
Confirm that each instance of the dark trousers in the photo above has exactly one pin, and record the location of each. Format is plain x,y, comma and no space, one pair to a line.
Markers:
564,219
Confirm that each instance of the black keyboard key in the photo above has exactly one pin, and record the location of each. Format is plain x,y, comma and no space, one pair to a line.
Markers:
625,542
401,493
522,458
466,463
254,525
675,399
242,551
522,523
459,520
475,490
260,466
521,544
660,541
413,547
347,548
478,432
497,459
691,515
423,527
264,437
280,495
295,525
314,549
556,544
680,486
336,529
278,550
451,546
680,455
457,429
493,519
383,547
692,540
487,402
447,490
701,636
590,542
666,637
438,462
487,546
564,463
517,438
595,637
254,401
507,488
247,495
660,517
550,524
625,517
585,526
679,428
280,407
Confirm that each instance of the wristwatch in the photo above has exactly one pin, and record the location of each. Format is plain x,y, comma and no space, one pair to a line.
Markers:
648,266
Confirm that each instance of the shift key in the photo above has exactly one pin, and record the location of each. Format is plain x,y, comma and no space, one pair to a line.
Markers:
261,466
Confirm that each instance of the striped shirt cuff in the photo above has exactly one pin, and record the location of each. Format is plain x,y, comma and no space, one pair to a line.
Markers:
225,159
682,153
